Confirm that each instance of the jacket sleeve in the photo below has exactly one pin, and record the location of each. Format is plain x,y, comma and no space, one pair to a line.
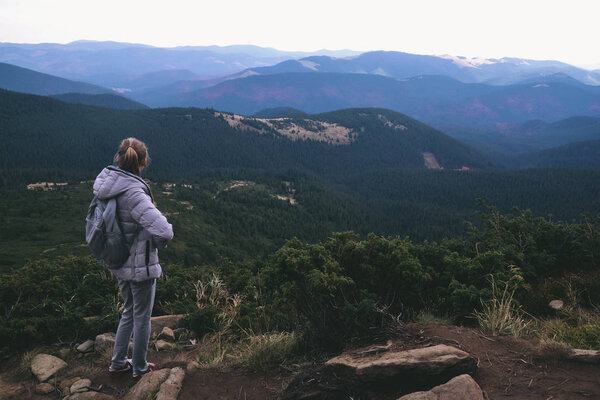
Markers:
147,215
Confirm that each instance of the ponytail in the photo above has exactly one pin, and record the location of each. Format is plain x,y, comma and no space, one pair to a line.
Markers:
130,155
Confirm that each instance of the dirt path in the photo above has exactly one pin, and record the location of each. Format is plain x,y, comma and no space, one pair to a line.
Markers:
507,368
512,368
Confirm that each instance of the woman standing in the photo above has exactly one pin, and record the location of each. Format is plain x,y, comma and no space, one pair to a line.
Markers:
147,230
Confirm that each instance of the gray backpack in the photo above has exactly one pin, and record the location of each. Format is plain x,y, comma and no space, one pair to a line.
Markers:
104,235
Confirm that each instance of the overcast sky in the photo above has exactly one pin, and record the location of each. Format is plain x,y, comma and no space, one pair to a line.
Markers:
550,29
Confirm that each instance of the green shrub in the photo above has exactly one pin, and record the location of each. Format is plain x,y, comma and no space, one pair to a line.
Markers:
201,321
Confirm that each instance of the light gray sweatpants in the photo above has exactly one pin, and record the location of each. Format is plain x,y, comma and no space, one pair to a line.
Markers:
138,300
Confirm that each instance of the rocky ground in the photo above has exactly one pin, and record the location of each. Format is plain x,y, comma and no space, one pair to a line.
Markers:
414,362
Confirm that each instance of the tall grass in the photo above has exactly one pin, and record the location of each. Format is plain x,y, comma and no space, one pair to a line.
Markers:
500,314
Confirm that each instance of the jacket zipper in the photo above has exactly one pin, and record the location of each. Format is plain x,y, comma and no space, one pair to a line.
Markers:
147,257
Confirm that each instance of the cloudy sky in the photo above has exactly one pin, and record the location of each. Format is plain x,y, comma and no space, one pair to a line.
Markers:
550,29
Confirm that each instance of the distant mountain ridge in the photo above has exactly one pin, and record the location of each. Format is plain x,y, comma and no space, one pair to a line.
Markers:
400,65
433,99
90,60
28,81
108,100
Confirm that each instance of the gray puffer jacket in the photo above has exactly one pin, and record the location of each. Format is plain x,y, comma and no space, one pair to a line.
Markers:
137,215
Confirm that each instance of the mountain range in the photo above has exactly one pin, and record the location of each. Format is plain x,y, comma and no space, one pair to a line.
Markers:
430,98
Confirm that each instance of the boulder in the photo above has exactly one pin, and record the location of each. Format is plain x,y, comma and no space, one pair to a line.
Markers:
44,388
585,356
158,323
556,305
440,360
44,366
148,385
462,387
82,385
104,341
107,341
162,345
167,334
362,372
86,346
169,390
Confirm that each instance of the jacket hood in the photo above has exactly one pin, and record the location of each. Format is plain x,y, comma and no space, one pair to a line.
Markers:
113,181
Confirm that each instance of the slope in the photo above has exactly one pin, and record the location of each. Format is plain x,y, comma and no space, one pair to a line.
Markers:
101,100
28,81
70,137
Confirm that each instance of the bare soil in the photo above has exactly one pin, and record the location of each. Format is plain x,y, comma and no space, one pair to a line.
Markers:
508,368
514,368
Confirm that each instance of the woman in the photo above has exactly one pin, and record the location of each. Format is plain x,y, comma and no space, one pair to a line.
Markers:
147,230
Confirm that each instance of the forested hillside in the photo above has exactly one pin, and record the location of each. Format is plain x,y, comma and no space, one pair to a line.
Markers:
74,139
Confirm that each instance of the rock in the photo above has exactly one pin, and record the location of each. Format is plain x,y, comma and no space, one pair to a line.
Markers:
147,385
64,353
169,390
43,366
363,372
192,365
556,304
90,396
440,360
462,387
181,334
86,346
65,384
104,341
585,356
162,345
82,385
158,323
167,334
44,388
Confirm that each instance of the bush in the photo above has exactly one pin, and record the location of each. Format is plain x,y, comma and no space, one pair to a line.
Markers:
201,321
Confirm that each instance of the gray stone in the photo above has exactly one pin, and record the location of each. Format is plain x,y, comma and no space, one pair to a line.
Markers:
91,396
147,385
462,387
86,346
158,323
65,384
440,360
192,365
82,385
44,366
44,388
557,304
169,390
64,353
585,356
167,334
104,341
162,345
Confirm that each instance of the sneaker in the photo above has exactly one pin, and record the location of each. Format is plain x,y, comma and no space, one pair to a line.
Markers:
151,367
126,367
